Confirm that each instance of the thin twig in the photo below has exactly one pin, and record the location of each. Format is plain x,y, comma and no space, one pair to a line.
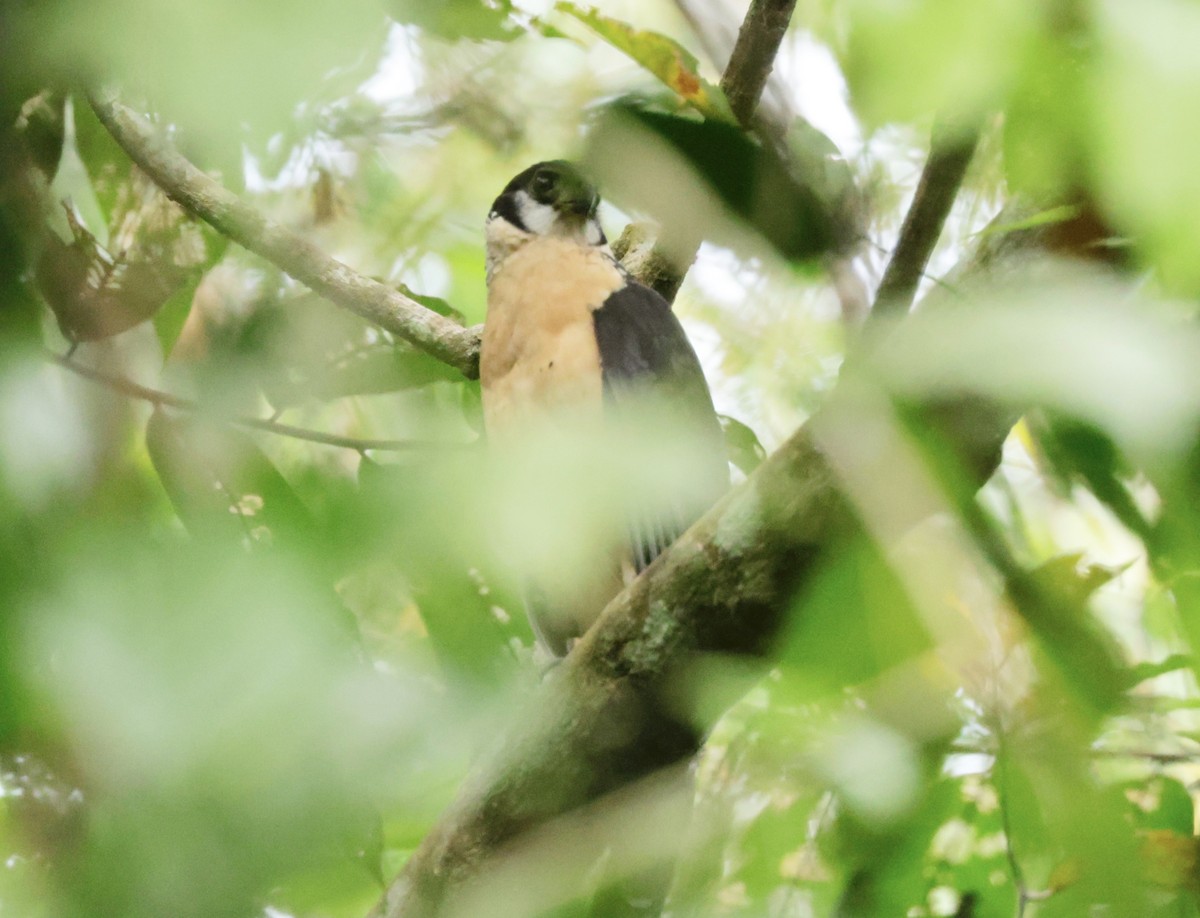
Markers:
131,389
951,150
205,198
753,56
1010,851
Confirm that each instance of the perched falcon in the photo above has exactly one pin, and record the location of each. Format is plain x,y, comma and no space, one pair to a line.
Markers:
570,333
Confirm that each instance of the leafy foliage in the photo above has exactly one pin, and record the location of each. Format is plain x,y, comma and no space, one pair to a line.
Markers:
260,584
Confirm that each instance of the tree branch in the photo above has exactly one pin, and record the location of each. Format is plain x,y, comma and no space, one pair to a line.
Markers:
131,389
753,55
951,150
205,198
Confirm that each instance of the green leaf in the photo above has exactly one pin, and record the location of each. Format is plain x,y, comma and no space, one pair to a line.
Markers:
459,603
221,482
374,372
1162,805
1143,671
745,451
1046,217
1066,577
662,56
455,19
694,175
42,129
173,315
1076,449
436,303
105,162
1052,599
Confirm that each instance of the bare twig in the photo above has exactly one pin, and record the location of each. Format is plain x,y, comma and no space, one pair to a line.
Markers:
717,32
1010,850
131,389
200,195
753,55
951,151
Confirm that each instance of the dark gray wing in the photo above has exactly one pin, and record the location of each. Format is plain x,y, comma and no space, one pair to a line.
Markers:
645,353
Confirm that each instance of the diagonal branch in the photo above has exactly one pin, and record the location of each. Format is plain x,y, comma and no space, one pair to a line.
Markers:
951,150
207,199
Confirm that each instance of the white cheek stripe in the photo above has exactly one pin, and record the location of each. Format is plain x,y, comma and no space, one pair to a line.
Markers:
539,219
593,232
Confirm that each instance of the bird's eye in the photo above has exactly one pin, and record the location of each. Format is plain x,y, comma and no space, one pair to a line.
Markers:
543,182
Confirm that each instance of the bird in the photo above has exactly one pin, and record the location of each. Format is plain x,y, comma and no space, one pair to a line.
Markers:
570,333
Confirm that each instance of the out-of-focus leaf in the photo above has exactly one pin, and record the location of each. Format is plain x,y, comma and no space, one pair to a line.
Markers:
236,727
219,480
693,174
1041,218
106,163
173,315
197,63
436,303
968,852
742,443
1052,600
387,370
298,347
1143,105
908,60
42,130
469,630
1070,342
664,57
1140,672
886,879
454,19
1047,120
1171,858
1161,805
1075,448
855,622
170,320
95,296
1068,578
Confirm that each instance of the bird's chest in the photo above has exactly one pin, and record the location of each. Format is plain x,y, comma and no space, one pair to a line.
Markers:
539,355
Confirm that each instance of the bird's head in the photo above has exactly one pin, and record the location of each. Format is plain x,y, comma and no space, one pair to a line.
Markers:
548,199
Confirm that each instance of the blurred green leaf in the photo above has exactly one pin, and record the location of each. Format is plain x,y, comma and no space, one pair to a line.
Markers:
42,130
106,163
1077,449
221,482
1144,102
1141,672
471,620
436,303
856,621
455,19
742,443
381,370
910,60
693,174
